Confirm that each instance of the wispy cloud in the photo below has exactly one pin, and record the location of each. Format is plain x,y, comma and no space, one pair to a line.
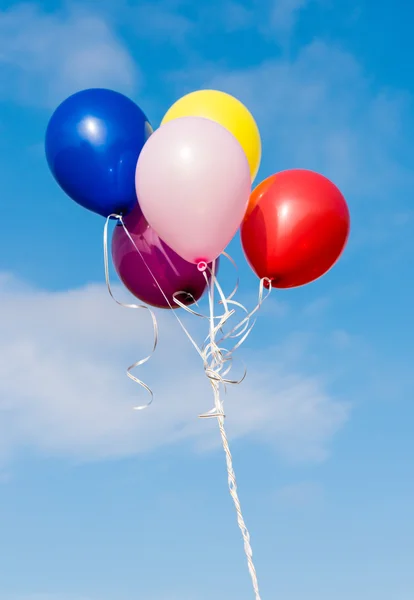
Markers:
48,596
319,110
160,20
56,596
46,56
300,495
63,389
284,15
183,21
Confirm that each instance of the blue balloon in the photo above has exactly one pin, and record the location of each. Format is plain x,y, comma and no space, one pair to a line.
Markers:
92,145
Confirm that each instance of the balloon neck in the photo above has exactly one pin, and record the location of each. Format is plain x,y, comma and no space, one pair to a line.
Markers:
268,282
116,217
201,266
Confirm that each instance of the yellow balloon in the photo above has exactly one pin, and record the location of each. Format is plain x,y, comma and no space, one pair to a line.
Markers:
228,112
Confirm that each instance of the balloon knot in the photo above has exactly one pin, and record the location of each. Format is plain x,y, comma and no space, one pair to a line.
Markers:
201,265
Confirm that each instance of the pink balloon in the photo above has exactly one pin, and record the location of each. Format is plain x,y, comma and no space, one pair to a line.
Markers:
193,185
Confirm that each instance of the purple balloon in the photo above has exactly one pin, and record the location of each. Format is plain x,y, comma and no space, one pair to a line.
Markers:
172,272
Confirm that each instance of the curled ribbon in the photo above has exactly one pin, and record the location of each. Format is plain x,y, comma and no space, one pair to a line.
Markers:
217,359
142,361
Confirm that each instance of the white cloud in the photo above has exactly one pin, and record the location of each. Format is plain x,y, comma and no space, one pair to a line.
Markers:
44,597
58,596
235,16
46,56
63,390
160,20
302,494
179,21
284,14
319,110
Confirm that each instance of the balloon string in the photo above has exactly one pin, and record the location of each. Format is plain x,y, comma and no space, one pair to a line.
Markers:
215,355
121,221
219,414
217,362
232,483
222,357
134,306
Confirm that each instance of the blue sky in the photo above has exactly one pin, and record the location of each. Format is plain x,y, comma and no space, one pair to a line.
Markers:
98,502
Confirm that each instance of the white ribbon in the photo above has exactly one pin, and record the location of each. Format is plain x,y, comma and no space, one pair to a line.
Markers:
138,363
217,360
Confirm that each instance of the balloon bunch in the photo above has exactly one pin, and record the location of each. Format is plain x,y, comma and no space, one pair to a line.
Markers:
179,194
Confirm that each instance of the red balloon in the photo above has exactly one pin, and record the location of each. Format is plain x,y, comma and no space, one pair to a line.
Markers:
295,228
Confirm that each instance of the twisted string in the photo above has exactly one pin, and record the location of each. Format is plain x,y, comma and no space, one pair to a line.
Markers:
218,359
217,362
232,483
215,358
